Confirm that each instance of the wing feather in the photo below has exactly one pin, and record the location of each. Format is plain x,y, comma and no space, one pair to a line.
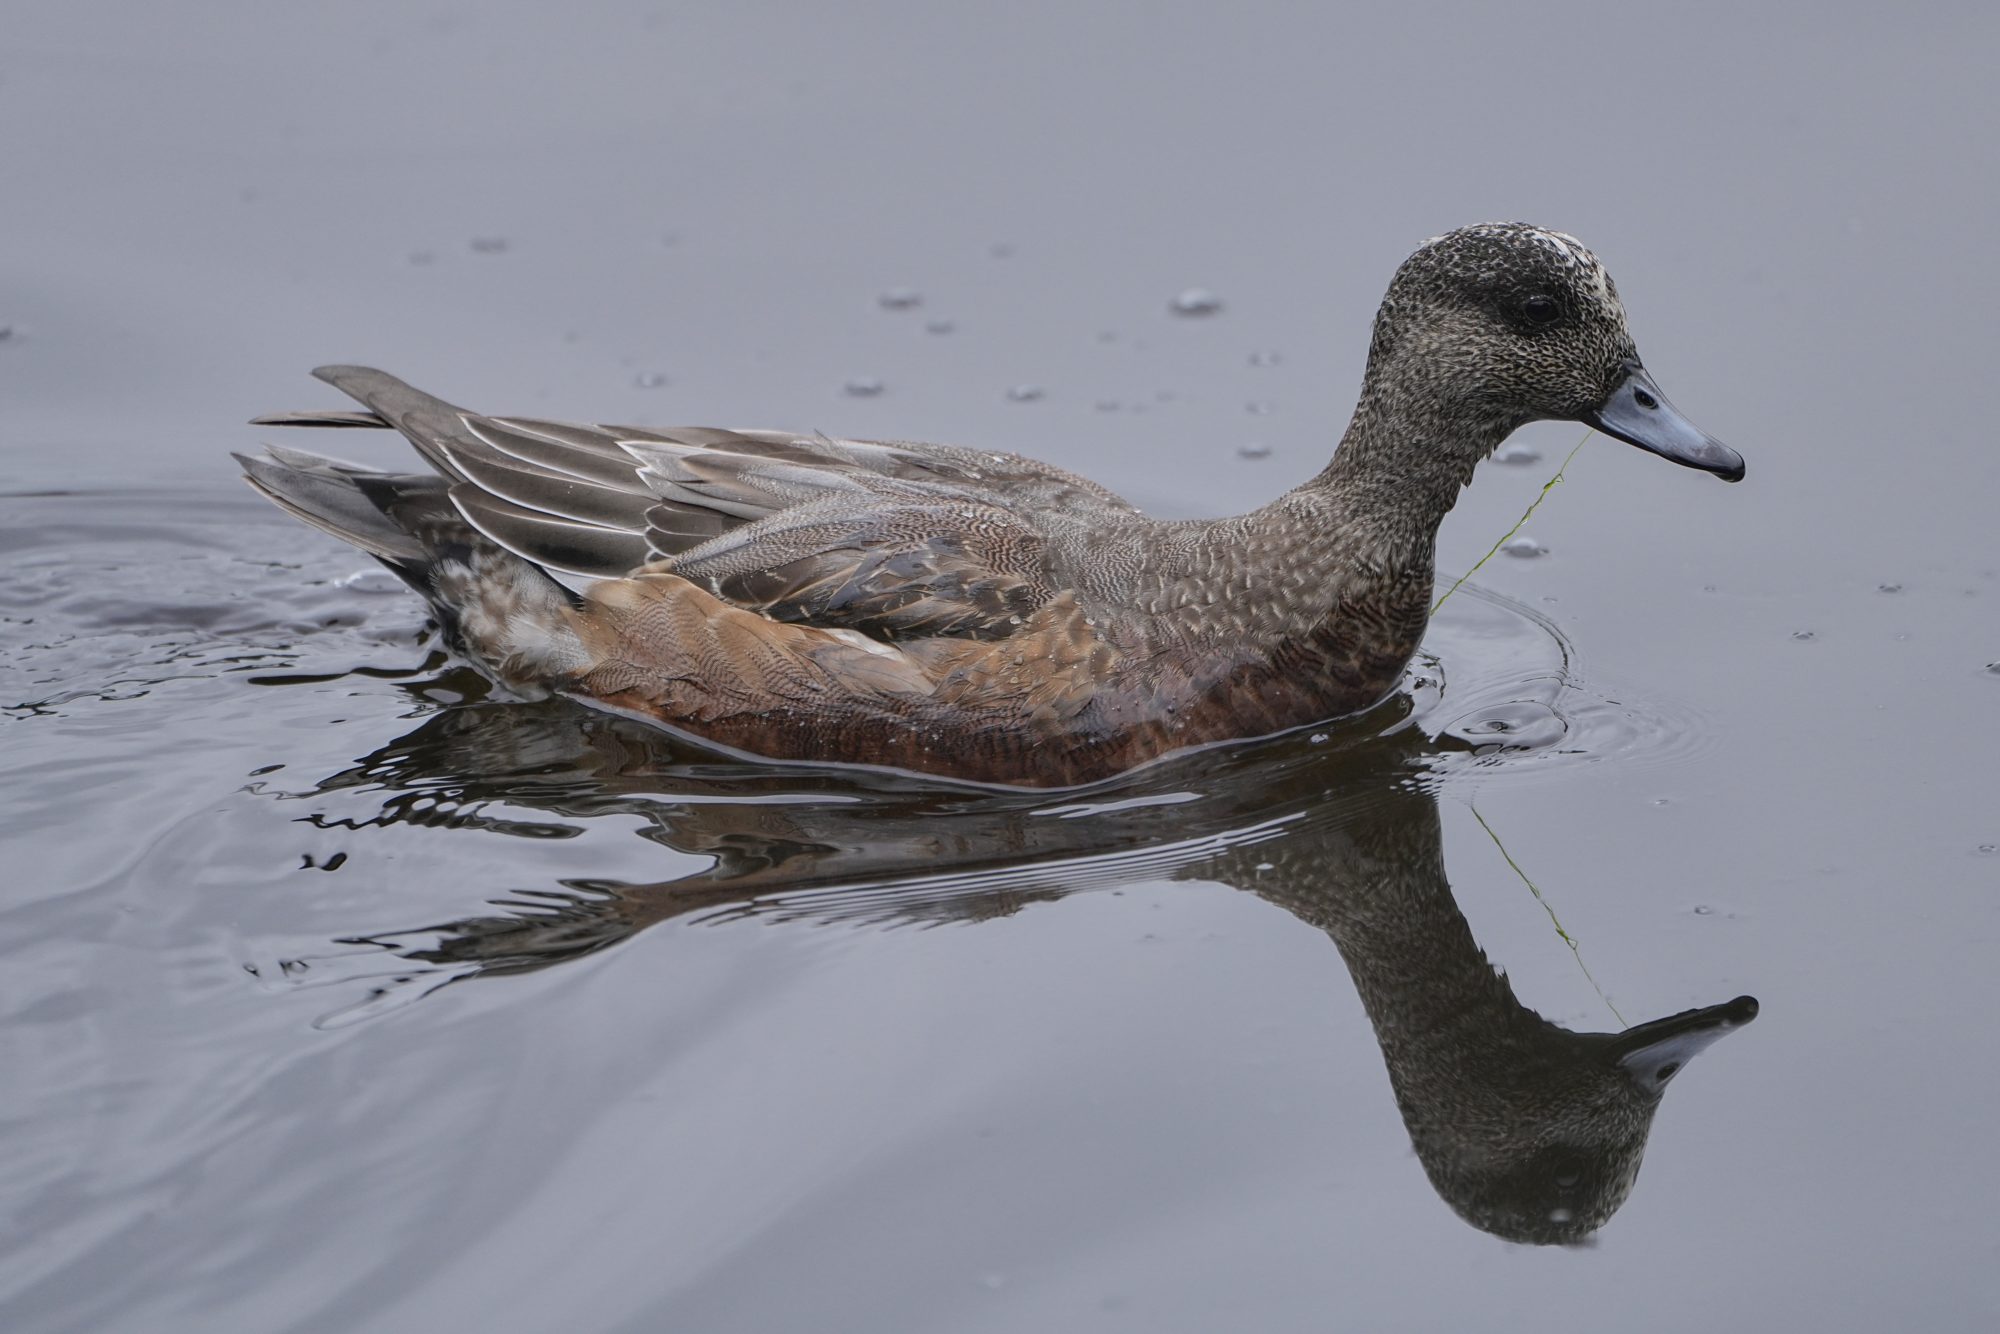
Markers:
547,539
890,539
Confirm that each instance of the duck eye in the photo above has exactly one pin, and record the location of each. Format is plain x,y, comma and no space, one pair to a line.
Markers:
1540,310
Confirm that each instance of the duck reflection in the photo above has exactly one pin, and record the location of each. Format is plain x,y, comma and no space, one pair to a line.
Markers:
1528,1130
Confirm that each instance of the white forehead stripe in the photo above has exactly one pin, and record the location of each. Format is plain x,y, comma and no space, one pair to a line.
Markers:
1566,248
1561,244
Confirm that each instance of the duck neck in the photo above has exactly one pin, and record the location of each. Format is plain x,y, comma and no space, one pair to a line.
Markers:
1372,877
1343,563
1409,450
1363,533
1358,542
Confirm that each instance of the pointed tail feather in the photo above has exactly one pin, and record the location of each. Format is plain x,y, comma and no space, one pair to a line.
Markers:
371,510
500,610
429,422
329,418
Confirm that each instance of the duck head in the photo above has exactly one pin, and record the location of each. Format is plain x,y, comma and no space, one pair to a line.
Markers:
1493,326
1546,1127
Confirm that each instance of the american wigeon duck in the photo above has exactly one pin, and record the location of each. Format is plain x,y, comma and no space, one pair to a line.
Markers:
970,614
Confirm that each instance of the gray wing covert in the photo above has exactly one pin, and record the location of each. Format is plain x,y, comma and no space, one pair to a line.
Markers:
889,559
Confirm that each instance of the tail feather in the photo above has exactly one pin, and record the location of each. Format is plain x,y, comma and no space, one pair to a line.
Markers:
431,423
350,504
321,418
504,612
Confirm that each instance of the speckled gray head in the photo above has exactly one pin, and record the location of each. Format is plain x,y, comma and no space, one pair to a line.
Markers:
1518,323
1543,1142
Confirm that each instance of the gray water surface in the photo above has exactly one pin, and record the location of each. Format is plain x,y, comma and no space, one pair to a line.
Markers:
336,995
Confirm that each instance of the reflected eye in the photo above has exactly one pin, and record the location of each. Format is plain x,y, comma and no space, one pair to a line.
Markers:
1540,310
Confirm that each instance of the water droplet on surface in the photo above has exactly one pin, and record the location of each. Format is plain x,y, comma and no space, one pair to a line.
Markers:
1989,848
900,298
940,327
1266,358
1025,393
488,245
1196,301
1888,588
863,386
1524,548
1257,409
1516,455
1518,725
1703,910
1803,635
1254,450
370,581
1993,669
650,380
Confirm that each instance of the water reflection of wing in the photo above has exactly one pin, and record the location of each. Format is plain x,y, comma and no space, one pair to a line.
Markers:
843,844
1527,1129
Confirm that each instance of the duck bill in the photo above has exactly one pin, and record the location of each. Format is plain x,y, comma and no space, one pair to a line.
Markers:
1654,1053
1639,414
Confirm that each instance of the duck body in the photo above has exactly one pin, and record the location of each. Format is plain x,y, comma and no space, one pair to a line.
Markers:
955,612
